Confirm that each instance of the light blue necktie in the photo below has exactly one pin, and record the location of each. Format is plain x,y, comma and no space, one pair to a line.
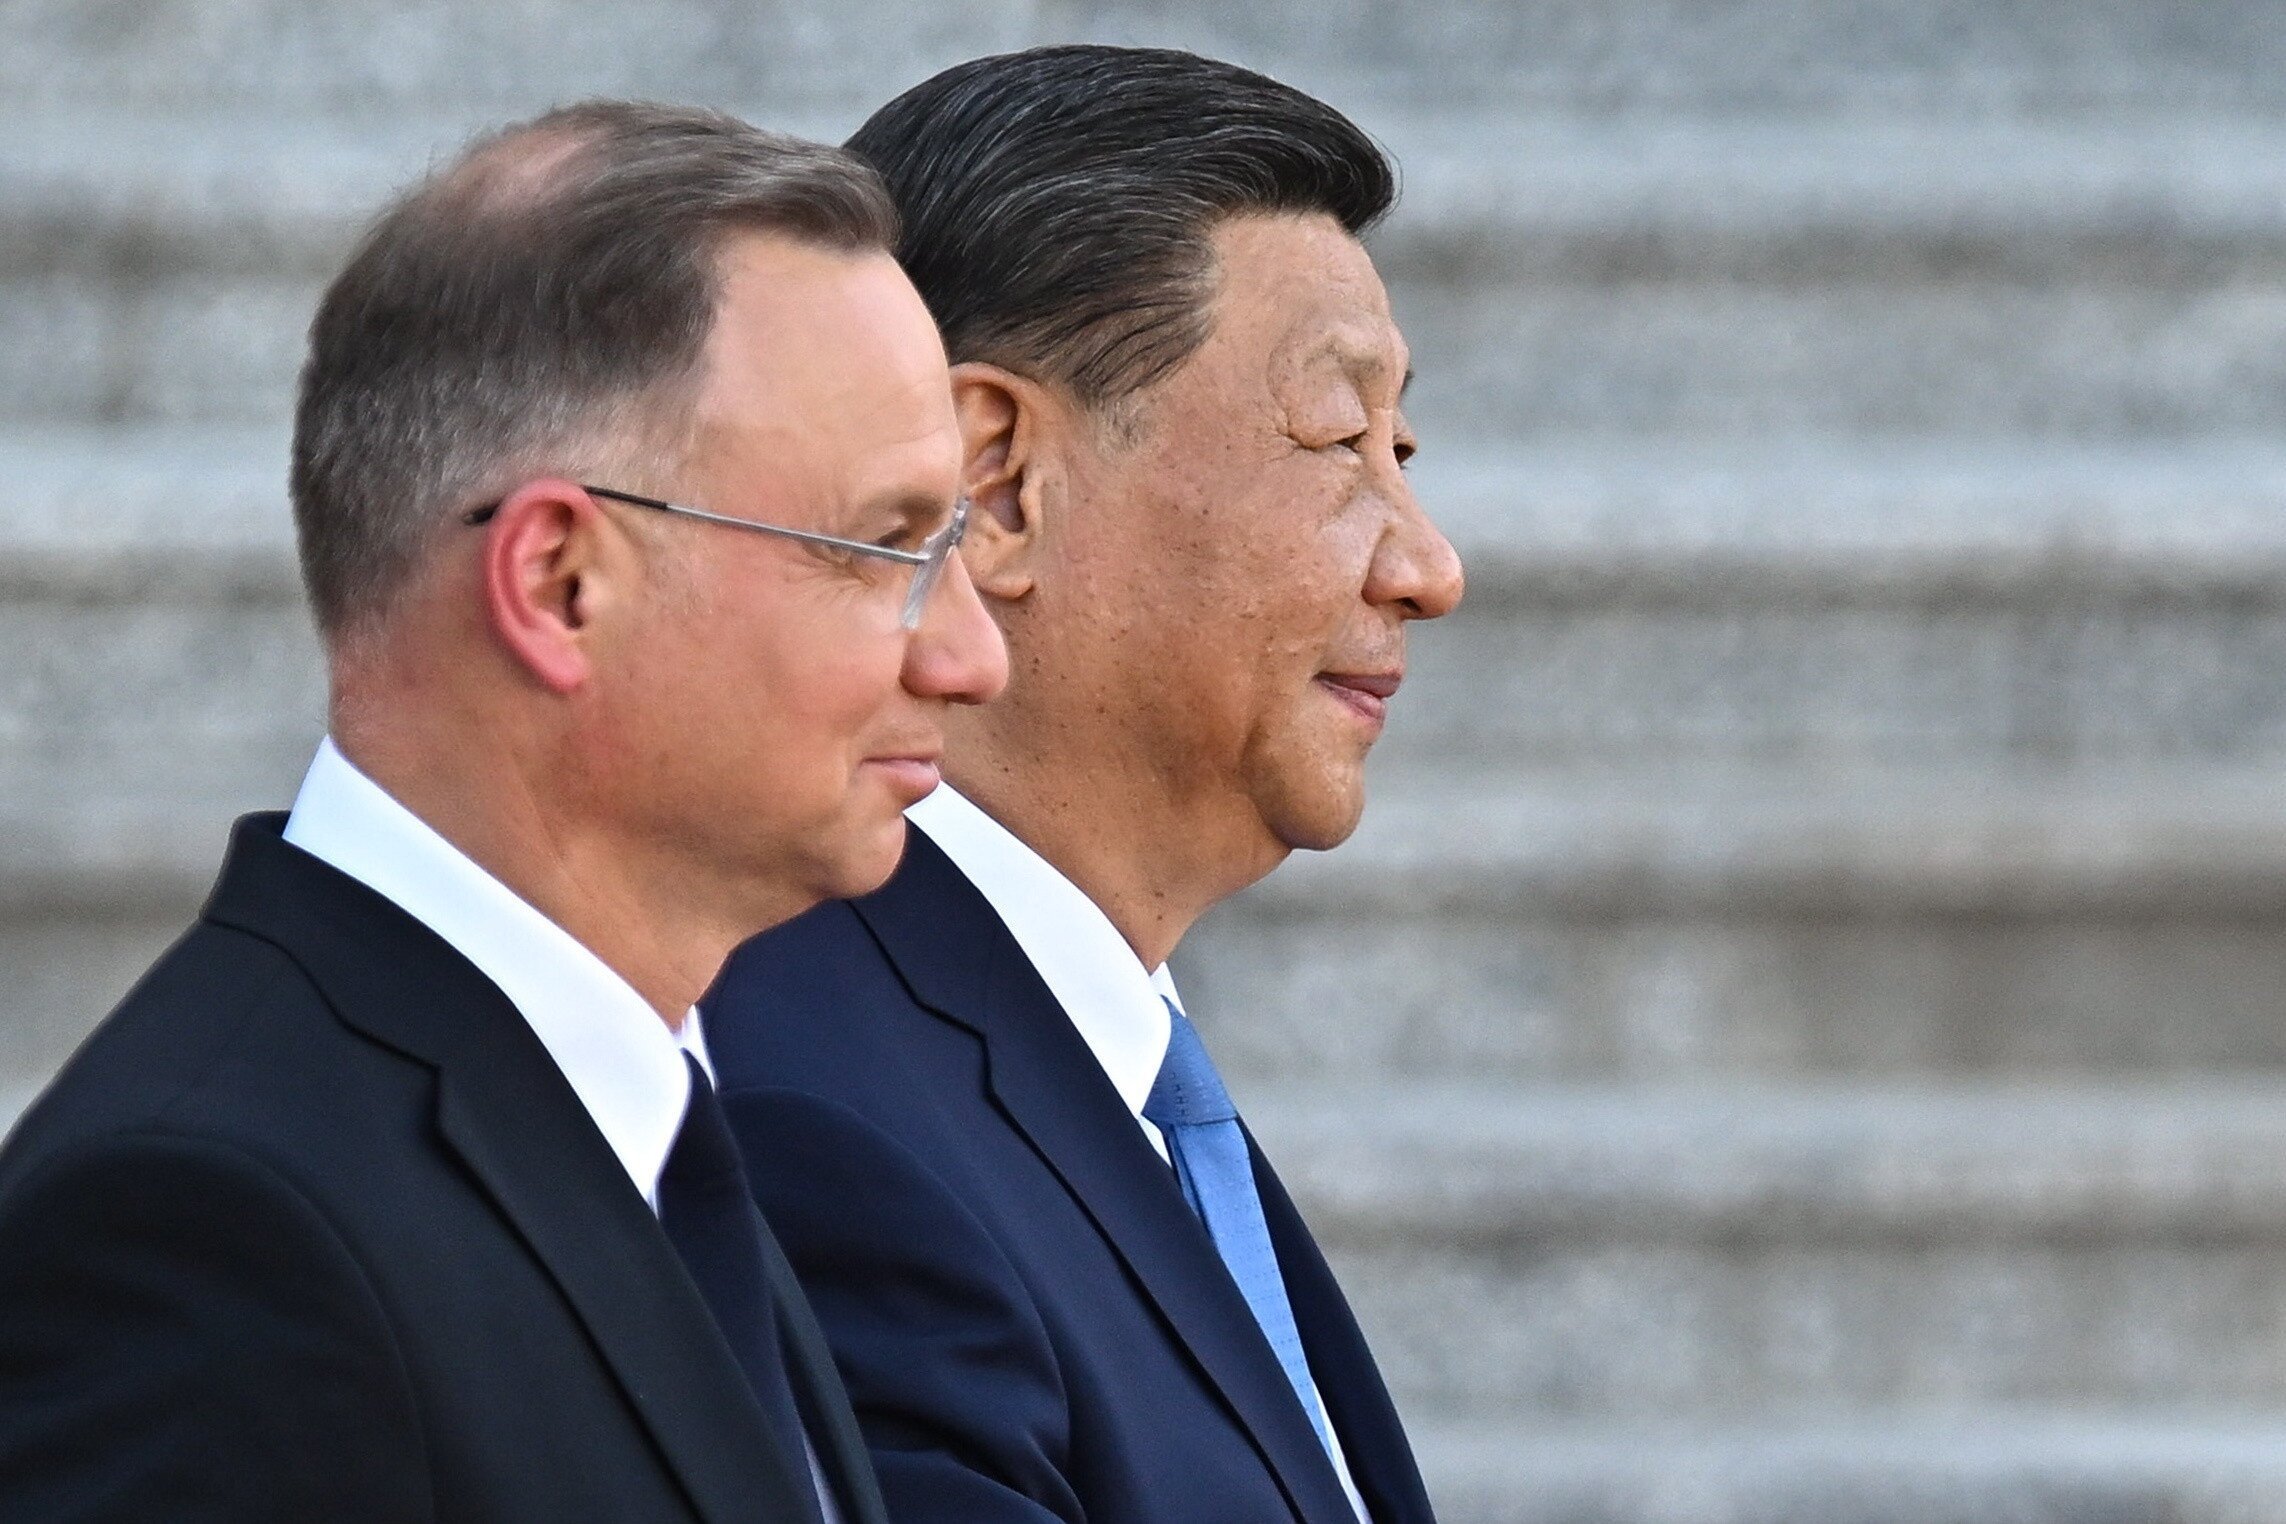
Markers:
1192,1110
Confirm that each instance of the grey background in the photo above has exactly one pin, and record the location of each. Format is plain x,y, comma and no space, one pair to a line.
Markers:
1799,1035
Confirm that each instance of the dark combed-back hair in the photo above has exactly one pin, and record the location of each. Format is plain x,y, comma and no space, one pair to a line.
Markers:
547,295
1058,204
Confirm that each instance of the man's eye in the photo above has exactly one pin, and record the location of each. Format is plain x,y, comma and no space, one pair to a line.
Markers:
834,555
1404,449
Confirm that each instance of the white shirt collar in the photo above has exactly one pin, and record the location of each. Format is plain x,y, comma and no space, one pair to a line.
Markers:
623,1063
1118,1005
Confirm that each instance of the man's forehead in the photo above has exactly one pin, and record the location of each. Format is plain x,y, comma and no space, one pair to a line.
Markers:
1296,266
1309,288
890,456
774,285
826,381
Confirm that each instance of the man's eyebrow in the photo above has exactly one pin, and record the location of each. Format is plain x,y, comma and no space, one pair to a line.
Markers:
1359,359
912,510
1368,362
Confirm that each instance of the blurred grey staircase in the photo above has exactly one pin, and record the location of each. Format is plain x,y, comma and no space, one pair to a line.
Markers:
1798,1036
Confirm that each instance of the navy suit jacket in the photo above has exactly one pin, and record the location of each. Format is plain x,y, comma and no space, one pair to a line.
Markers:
1032,1324
314,1228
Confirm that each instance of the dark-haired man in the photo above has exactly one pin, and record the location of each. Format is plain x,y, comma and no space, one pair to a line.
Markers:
399,1191
1075,1290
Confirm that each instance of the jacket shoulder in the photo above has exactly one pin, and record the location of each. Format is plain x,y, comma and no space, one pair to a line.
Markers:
191,1010
227,1037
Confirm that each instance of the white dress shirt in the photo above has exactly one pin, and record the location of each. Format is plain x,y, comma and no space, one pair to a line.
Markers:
1118,1005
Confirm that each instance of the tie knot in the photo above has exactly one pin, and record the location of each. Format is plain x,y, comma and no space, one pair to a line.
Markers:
1188,1090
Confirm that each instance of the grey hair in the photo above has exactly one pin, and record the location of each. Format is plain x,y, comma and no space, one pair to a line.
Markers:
541,303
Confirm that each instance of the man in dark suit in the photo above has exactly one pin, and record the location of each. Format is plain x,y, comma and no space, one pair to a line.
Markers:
399,1189
1074,1289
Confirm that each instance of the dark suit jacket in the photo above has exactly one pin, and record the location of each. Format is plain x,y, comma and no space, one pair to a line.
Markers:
313,1228
1032,1323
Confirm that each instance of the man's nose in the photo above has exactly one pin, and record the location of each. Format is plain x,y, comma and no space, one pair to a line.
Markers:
1415,567
956,653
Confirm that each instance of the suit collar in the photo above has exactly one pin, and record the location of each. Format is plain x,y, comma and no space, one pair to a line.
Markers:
961,962
1117,1005
622,1061
506,1111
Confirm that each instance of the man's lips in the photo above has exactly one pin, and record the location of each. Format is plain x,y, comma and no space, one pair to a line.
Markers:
1368,693
913,773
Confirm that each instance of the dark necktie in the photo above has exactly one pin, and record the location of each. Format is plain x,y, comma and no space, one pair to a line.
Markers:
711,1220
1192,1110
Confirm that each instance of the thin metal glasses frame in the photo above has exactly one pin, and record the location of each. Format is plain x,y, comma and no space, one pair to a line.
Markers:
928,562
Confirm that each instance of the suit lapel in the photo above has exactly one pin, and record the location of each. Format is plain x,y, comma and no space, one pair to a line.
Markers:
961,961
605,1252
1357,1400
508,1114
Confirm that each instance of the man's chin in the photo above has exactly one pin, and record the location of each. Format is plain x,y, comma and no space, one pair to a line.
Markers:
869,863
1319,817
1319,837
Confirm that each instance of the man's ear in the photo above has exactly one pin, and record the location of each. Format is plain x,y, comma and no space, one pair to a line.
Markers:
1011,431
543,574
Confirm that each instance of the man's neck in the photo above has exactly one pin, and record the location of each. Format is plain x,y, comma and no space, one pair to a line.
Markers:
566,873
1150,870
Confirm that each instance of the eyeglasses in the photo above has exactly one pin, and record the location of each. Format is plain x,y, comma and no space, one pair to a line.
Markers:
928,562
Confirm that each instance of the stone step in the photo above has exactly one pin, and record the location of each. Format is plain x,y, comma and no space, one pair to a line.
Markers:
163,678
1757,922
164,672
382,55
97,512
1880,518
1842,601
1766,199
1983,361
1956,56
1877,274
1493,195
1710,1253
1976,1467
1555,273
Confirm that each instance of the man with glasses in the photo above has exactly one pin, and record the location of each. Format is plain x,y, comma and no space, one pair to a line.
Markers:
399,1189
1076,1291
